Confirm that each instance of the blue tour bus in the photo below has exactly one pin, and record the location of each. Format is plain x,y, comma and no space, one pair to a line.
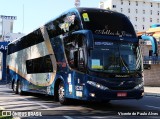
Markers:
86,54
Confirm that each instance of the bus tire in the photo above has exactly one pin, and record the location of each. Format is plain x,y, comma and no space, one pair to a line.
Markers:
61,94
15,87
19,88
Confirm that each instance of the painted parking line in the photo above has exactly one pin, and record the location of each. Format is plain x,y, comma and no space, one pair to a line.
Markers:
67,117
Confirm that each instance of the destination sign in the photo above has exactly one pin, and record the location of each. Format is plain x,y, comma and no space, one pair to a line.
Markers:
107,31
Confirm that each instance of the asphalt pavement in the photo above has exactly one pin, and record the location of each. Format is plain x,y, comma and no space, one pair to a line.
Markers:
147,103
149,91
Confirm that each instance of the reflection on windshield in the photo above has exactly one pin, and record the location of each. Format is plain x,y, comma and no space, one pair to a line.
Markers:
106,23
118,58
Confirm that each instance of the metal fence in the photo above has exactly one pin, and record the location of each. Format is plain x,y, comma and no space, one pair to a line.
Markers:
151,60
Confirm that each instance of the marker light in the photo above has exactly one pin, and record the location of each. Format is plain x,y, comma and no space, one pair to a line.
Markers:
92,94
139,86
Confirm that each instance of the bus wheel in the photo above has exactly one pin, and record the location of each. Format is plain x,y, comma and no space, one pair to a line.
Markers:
19,89
61,93
15,87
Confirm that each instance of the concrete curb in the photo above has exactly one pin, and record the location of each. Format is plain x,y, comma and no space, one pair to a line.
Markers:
152,94
1,108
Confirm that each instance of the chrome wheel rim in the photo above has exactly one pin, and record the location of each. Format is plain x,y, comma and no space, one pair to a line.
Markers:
14,86
19,87
61,92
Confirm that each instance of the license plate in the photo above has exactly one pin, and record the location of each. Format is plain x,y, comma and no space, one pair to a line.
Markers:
121,94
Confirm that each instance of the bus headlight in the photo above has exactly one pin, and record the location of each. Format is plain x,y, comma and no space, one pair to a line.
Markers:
139,86
97,85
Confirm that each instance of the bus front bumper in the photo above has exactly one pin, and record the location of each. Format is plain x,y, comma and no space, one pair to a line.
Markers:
105,95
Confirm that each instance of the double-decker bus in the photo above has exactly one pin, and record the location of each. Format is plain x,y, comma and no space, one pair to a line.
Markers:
85,53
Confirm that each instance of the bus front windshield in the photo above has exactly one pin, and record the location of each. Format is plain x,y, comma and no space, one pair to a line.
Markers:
107,23
116,58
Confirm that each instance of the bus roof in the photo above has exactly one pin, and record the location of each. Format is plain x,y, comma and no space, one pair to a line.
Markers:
79,9
82,9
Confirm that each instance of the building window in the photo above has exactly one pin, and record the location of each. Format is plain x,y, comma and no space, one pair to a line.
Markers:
121,2
129,10
129,2
114,6
135,27
136,11
128,17
151,5
143,27
151,12
158,5
158,13
143,19
136,3
150,19
143,2
157,20
121,9
143,11
136,18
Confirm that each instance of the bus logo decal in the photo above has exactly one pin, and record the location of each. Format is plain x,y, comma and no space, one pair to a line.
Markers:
79,88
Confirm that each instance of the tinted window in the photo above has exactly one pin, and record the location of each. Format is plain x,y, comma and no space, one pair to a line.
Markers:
39,65
74,49
66,23
107,23
116,58
31,39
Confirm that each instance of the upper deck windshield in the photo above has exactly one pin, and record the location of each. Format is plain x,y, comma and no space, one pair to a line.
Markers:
105,22
117,57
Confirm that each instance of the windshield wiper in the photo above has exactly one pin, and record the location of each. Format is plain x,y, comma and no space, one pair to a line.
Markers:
124,64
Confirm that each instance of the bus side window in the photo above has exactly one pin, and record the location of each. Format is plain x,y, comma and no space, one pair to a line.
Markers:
76,59
48,65
74,21
74,49
39,65
29,66
79,61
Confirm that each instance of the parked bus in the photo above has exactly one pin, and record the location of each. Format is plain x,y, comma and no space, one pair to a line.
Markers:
85,53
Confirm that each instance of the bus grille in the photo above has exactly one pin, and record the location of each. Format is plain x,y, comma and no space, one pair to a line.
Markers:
121,88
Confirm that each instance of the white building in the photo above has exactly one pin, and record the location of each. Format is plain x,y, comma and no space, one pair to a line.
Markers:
142,13
6,34
6,28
